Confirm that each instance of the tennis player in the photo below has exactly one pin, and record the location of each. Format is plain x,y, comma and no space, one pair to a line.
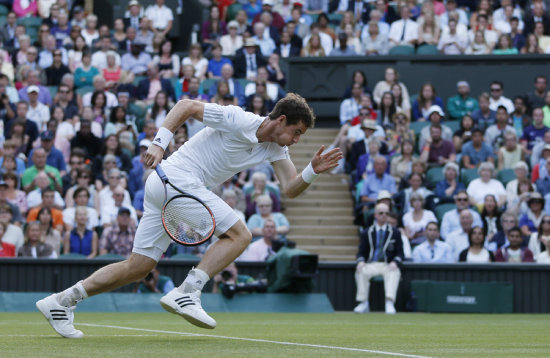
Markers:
232,141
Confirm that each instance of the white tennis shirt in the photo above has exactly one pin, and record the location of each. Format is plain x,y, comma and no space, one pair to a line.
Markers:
226,146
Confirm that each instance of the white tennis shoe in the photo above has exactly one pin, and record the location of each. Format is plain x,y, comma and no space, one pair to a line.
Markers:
59,317
363,307
188,305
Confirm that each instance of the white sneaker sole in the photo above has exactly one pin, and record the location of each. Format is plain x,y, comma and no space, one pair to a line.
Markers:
187,317
41,306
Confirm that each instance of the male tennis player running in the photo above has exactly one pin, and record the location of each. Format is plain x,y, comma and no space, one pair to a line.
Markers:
233,141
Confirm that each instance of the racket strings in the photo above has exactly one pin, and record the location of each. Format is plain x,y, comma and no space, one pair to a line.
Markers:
187,220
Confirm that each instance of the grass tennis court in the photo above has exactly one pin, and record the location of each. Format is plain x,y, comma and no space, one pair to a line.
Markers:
336,335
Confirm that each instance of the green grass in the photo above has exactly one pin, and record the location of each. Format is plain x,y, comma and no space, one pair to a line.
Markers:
431,335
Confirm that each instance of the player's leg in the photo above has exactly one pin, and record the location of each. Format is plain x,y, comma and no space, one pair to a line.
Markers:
149,244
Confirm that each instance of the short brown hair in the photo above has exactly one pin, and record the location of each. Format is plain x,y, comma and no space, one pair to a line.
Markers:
296,110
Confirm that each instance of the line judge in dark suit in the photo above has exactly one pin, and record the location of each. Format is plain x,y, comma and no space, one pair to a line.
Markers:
380,253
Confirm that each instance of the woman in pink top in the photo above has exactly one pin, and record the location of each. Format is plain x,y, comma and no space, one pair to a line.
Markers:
24,8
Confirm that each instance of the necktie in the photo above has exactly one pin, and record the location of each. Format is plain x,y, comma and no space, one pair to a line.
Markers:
379,239
404,28
432,251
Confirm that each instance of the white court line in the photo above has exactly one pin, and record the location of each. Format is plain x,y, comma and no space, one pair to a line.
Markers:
88,335
256,340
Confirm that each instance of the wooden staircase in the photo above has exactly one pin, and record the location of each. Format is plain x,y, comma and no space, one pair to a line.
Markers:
321,219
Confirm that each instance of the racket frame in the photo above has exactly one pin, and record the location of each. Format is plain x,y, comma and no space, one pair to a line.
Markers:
164,178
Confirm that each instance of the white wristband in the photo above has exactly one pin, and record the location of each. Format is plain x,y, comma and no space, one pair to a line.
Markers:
308,174
163,137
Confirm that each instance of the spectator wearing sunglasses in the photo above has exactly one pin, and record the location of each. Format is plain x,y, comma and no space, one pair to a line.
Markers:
451,221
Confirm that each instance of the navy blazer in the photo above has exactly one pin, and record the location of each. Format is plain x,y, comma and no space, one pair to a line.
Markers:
393,246
143,88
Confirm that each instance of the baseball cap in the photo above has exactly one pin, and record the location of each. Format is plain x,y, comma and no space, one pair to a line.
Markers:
250,42
463,83
123,211
546,147
535,196
383,194
145,143
133,3
47,135
435,108
33,88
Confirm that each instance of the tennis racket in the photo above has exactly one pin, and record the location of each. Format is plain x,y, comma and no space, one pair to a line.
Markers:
186,219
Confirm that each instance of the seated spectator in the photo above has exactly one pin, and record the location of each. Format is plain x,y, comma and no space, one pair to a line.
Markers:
160,108
46,198
38,112
110,213
416,220
505,46
437,150
451,219
197,60
106,200
349,108
484,117
387,110
508,220
463,134
147,86
416,185
112,71
99,86
485,184
380,253
240,201
543,181
476,151
452,42
534,133
259,182
490,216
15,196
215,65
54,157
475,252
34,246
24,8
404,32
231,198
313,47
514,253
168,62
432,250
81,240
422,106
144,35
231,42
261,249
81,197
57,69
365,164
119,238
154,282
435,116
401,165
478,44
373,41
391,77
256,221
83,179
511,153
6,249
84,75
462,104
136,61
9,150
342,48
512,192
49,234
537,242
377,182
13,234
530,221
449,187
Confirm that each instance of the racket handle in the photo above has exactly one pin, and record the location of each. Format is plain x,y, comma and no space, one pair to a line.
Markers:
161,173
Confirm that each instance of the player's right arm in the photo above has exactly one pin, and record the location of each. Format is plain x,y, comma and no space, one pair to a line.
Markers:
181,112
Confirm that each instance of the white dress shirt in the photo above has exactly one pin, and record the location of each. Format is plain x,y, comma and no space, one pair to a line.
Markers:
439,252
410,28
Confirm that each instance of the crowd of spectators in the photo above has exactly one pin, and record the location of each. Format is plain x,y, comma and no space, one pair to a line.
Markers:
80,104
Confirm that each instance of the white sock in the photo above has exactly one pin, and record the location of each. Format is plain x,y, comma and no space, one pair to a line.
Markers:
72,295
195,280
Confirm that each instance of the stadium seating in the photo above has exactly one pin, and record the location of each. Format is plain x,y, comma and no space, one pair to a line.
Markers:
402,50
434,176
427,50
467,175
83,90
441,209
3,10
418,126
453,125
506,175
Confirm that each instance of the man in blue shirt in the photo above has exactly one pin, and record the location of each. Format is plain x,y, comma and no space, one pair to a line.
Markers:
451,220
54,156
476,151
433,250
534,133
379,181
484,116
216,63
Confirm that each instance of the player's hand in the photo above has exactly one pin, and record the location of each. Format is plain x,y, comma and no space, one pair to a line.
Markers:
323,162
153,156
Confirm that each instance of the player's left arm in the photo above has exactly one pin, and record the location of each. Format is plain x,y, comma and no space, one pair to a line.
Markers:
293,184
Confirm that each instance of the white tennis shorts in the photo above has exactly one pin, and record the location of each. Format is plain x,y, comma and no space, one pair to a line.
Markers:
151,240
